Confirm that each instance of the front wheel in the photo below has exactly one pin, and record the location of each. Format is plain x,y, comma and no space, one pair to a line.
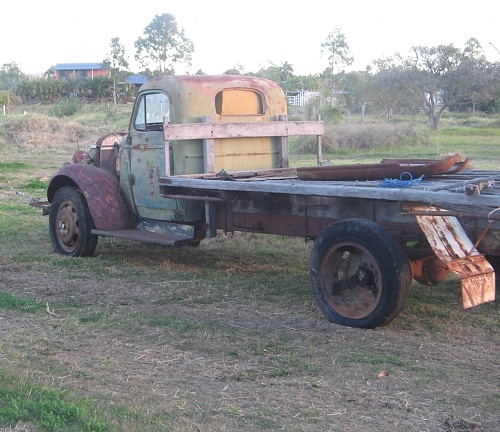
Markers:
70,224
360,275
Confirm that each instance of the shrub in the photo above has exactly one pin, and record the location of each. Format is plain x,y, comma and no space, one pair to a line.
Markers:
7,98
331,115
66,107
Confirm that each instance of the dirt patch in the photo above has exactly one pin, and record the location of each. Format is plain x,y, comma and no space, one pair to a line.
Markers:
159,331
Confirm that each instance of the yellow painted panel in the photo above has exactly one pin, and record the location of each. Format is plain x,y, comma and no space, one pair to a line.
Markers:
242,154
238,102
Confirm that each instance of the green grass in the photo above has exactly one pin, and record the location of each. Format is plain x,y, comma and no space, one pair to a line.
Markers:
17,209
36,185
225,336
48,409
12,167
11,303
372,360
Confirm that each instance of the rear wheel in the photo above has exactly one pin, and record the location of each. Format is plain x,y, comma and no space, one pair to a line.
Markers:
70,224
360,275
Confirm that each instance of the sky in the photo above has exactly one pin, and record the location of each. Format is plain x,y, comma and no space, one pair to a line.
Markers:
38,34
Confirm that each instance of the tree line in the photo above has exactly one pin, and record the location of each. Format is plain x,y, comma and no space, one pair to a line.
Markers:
428,79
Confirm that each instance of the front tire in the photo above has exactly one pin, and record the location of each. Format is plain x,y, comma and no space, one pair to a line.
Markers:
360,275
71,224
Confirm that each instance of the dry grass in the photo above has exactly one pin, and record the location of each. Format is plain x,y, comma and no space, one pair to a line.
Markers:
227,337
355,137
40,132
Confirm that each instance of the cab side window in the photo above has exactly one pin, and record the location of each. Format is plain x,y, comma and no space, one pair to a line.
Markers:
151,111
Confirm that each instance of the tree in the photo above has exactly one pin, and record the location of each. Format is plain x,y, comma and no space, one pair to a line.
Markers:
439,78
354,89
163,44
7,98
116,61
384,92
233,71
338,50
271,72
50,73
286,71
10,76
236,70
338,58
42,90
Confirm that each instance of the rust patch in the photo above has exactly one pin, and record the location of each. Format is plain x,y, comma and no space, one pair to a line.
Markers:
451,245
388,168
102,192
81,157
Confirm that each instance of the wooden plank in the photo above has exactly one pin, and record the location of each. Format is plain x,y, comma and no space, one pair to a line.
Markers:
341,189
187,131
208,150
461,185
255,174
283,144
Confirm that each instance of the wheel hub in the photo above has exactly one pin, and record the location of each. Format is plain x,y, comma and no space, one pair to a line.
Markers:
67,225
351,288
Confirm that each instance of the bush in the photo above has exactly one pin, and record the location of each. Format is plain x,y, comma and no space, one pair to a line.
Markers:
331,115
66,107
7,98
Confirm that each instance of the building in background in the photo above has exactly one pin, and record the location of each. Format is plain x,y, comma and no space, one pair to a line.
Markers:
80,71
301,97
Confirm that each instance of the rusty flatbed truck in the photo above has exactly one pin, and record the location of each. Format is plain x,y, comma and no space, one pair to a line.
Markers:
210,153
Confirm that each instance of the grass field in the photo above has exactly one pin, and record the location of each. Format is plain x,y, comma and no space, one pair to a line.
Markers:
225,336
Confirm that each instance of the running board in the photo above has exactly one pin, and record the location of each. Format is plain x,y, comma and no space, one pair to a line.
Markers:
148,236
451,245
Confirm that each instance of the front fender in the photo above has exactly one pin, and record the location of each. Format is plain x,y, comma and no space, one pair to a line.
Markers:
101,189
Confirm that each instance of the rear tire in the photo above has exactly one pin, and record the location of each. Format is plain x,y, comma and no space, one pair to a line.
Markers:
71,224
360,275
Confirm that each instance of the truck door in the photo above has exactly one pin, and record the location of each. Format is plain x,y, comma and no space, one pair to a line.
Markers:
146,150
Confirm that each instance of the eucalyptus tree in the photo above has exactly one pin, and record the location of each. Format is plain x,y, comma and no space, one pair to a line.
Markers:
339,57
164,44
116,61
338,51
441,77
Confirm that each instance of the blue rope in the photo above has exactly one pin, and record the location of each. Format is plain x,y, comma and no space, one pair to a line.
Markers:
401,182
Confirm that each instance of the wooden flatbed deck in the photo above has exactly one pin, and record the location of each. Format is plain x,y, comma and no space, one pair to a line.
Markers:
473,193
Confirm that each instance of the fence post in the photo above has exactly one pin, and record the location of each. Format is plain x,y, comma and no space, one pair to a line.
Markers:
319,140
283,145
